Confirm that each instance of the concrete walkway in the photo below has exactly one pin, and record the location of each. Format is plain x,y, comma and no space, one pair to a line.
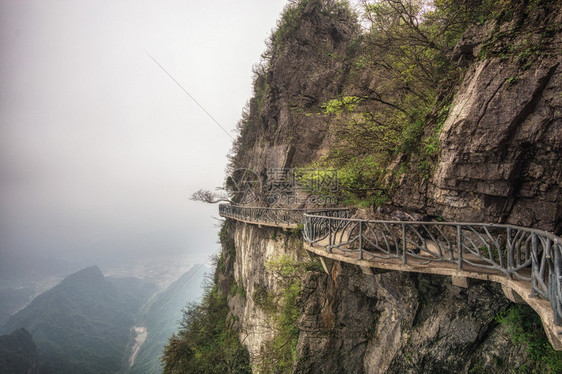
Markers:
335,245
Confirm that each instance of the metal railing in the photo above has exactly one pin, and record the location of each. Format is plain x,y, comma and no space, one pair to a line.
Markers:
275,216
520,253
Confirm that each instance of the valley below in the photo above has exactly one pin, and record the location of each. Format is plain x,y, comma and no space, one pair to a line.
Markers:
114,321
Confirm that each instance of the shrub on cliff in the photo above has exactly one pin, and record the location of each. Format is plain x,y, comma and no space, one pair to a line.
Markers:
525,328
205,342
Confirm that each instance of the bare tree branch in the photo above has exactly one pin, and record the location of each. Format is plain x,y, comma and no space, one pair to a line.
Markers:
210,197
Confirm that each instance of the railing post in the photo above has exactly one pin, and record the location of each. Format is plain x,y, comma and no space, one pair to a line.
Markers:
556,301
535,266
329,236
459,245
404,244
360,240
509,248
310,231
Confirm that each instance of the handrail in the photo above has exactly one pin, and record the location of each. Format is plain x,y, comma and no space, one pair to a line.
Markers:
520,253
274,215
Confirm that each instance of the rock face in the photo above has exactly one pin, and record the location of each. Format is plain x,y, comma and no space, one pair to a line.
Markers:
502,140
500,162
501,146
355,323
255,247
395,322
306,70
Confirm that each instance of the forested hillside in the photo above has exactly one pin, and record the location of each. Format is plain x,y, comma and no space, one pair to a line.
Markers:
83,324
18,353
162,316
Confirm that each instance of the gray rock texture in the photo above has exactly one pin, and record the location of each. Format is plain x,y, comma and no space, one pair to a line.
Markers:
502,141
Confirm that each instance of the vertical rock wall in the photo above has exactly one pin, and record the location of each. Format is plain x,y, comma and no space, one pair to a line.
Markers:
255,247
502,140
355,323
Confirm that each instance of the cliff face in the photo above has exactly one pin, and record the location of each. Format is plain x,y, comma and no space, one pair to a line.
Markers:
400,322
499,162
350,322
256,322
302,73
502,141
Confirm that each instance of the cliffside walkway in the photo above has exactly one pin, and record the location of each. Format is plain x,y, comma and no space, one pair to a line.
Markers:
526,262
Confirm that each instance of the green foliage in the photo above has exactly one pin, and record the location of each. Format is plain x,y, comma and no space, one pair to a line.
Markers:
226,241
527,47
297,231
405,52
289,23
161,316
237,290
345,104
264,299
285,267
18,353
316,179
528,55
313,265
525,327
228,254
261,89
205,342
429,149
376,199
491,253
390,110
512,80
280,354
288,36
285,341
281,351
221,266
356,181
293,14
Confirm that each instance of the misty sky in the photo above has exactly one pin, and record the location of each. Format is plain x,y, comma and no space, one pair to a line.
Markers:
100,149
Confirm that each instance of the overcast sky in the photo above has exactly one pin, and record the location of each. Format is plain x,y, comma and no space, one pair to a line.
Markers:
100,149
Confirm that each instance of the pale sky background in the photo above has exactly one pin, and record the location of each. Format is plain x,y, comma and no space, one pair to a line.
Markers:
100,150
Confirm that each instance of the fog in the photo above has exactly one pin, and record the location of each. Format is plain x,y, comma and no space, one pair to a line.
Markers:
100,148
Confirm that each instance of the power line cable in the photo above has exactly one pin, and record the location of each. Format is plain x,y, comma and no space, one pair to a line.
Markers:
190,95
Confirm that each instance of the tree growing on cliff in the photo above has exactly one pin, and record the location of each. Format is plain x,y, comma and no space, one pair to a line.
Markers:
210,197
389,123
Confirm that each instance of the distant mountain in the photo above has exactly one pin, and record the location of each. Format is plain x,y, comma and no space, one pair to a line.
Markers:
23,277
83,324
18,353
17,269
13,299
161,316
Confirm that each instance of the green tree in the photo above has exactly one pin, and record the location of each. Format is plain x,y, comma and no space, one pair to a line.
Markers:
206,342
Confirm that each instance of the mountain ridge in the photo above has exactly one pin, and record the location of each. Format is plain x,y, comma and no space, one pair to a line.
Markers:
80,325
